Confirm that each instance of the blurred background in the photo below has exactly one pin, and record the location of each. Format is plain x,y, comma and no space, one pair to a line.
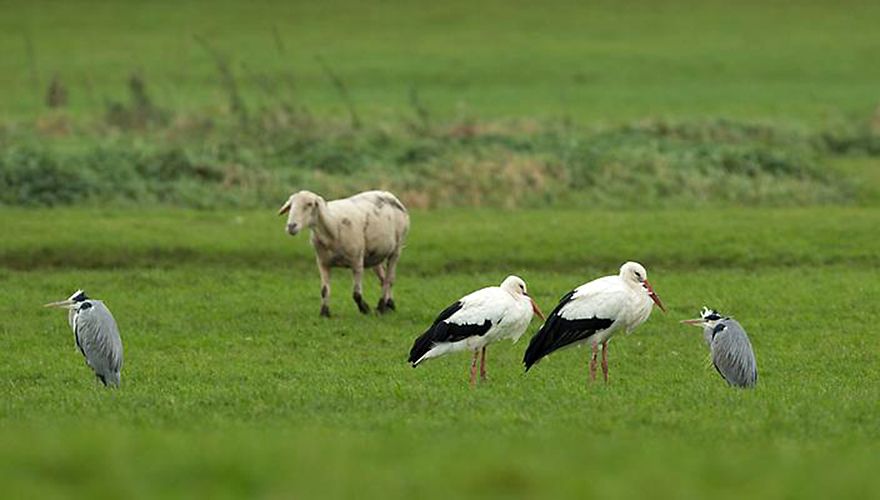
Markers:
505,104
731,147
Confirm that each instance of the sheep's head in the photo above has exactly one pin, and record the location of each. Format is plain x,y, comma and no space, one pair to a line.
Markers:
302,210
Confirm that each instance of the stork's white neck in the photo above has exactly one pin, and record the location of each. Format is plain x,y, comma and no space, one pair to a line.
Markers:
633,285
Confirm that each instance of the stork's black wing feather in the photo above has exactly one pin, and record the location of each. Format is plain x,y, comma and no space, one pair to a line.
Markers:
558,332
441,331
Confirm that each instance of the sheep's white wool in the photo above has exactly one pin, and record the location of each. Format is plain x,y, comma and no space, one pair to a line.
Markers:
366,230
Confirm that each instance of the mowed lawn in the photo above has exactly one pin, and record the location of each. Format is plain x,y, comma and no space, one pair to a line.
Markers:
234,386
801,61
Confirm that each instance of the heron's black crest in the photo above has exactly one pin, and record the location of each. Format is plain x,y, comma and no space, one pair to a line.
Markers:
79,296
711,314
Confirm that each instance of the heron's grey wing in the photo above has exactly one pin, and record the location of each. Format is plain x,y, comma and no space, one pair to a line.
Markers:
732,354
98,338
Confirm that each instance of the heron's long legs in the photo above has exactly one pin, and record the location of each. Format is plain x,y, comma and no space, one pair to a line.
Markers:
605,360
593,363
483,371
474,369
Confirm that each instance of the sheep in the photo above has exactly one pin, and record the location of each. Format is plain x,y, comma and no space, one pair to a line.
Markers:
362,231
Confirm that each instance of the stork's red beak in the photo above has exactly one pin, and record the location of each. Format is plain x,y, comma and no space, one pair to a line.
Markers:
653,295
537,309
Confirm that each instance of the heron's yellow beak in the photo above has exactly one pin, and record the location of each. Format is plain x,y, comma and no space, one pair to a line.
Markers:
695,322
66,304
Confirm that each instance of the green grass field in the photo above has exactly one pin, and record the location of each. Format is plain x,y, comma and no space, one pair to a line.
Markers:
234,386
732,149
807,62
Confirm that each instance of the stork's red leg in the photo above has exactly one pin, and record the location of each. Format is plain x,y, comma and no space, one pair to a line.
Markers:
593,363
474,369
483,371
605,360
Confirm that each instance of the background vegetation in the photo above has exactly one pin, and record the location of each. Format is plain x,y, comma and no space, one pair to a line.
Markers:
800,61
502,105
731,149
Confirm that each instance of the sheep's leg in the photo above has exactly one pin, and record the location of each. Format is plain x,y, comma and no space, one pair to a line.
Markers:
325,288
390,277
380,273
357,272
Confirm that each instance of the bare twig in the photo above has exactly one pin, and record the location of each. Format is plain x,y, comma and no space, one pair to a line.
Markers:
30,53
343,92
227,78
286,76
262,81
279,43
88,85
56,95
422,112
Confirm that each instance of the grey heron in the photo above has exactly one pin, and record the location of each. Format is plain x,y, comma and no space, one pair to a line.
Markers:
729,346
96,335
593,312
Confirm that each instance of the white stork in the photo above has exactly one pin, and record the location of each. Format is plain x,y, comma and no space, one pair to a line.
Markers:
476,320
595,311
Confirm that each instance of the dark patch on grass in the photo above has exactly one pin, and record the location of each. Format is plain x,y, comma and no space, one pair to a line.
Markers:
63,258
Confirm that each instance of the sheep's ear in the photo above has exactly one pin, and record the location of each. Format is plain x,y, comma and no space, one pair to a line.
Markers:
284,208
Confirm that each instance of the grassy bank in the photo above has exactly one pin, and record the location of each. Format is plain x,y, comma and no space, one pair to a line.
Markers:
478,164
810,62
587,105
234,386
732,149
460,240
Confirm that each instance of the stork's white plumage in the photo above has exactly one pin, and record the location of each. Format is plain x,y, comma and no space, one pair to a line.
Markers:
477,320
593,312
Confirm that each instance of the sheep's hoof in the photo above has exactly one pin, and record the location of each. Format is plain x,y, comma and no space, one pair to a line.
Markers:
362,306
325,312
385,306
